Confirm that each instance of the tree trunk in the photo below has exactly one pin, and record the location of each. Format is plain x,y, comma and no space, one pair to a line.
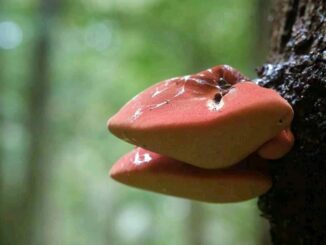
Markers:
2,216
296,204
195,225
32,216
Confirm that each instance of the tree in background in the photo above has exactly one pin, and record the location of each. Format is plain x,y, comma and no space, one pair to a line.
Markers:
296,204
19,220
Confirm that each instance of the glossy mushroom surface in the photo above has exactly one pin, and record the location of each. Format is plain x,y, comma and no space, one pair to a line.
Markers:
212,119
151,171
278,146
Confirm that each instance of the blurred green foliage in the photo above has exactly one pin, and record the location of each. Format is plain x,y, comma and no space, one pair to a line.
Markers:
102,53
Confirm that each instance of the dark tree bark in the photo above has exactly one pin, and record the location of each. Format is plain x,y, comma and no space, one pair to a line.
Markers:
296,204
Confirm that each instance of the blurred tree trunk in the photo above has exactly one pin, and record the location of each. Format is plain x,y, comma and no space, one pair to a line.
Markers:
262,30
195,225
296,204
31,232
2,235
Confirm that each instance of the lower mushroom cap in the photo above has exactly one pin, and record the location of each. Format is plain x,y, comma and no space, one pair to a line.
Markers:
150,171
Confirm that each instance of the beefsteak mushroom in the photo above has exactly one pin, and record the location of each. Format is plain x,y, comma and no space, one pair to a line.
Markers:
200,136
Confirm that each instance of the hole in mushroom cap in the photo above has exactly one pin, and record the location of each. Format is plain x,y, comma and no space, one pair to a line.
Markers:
286,118
217,103
218,97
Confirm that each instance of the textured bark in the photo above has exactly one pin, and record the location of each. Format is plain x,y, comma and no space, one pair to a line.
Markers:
296,204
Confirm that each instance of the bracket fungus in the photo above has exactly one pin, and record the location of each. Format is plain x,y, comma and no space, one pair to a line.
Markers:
278,146
154,172
196,131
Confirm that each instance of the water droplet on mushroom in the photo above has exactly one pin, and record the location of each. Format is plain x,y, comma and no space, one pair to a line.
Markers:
158,91
180,91
151,107
137,114
185,78
141,158
213,106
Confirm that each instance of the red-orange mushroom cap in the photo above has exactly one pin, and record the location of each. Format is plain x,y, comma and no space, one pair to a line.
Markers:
212,119
150,171
278,146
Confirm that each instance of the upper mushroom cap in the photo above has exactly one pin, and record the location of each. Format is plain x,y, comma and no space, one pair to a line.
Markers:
150,171
207,119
